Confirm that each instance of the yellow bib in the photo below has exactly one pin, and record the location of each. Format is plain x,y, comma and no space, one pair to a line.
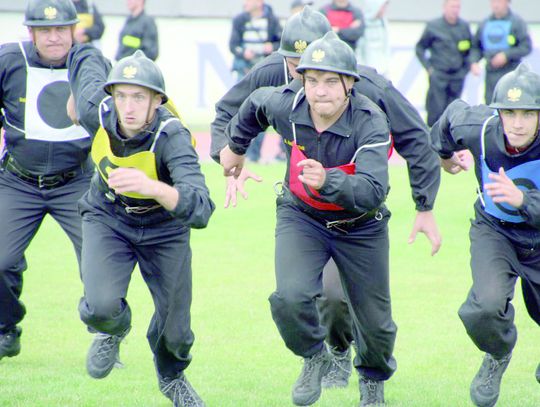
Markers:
86,20
106,161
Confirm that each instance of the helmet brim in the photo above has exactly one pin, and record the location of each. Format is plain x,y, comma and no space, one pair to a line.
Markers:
288,54
107,88
304,68
41,23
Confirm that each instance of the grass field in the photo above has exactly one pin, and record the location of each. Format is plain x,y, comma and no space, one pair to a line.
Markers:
239,360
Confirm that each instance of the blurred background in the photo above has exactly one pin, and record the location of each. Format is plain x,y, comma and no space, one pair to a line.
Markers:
194,44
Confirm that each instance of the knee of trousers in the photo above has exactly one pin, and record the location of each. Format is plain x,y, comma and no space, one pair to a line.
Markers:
481,311
287,305
112,317
297,323
10,266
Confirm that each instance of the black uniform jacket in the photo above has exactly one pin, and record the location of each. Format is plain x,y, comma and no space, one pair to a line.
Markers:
409,132
176,159
362,124
36,156
143,29
449,46
460,128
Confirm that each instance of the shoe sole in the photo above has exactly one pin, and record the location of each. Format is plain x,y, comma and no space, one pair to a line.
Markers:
98,375
308,402
13,352
334,385
10,354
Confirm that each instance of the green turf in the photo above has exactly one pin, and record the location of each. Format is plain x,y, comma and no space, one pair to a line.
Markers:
238,357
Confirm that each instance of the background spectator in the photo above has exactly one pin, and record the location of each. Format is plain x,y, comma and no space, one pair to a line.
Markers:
502,39
373,48
443,49
346,20
91,26
139,32
256,33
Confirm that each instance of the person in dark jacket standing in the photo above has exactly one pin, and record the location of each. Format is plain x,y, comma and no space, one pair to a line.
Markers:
45,167
411,140
443,50
505,234
147,194
255,34
346,20
139,32
91,26
502,40
331,206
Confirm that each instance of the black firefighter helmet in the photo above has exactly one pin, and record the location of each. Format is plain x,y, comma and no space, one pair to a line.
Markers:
302,29
519,89
49,13
137,69
329,54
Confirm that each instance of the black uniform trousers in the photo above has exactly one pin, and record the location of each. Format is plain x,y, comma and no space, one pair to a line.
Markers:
334,310
22,209
496,263
443,89
303,246
111,249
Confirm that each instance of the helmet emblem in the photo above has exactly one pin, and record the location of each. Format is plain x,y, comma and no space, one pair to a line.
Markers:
129,72
318,55
514,94
50,13
300,46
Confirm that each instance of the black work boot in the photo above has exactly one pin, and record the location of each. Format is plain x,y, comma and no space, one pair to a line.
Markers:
180,391
10,342
103,354
307,388
371,392
487,382
340,369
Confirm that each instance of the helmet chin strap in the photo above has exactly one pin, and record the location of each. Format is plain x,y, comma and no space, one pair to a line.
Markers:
347,92
148,114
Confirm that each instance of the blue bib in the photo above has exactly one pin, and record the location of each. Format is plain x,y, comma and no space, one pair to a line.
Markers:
525,176
495,35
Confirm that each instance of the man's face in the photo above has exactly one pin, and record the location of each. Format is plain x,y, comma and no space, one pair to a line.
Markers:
134,105
52,43
341,3
252,5
451,9
499,7
520,126
292,63
325,93
135,5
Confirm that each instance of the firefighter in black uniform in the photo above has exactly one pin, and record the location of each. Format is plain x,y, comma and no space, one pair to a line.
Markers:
332,206
91,26
148,192
505,234
502,40
410,137
443,50
45,167
139,32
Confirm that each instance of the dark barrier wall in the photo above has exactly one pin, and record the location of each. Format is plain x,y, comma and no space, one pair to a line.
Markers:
399,10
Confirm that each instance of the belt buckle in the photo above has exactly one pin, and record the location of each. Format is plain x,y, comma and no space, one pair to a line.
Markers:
335,224
41,183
